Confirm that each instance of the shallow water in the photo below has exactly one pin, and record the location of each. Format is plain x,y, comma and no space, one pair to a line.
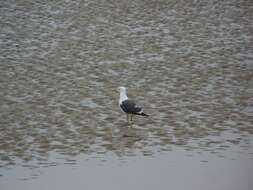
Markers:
188,63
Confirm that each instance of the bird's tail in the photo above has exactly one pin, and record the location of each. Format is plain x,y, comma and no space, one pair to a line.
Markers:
143,114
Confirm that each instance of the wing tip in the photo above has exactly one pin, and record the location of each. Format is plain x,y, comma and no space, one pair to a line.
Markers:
143,114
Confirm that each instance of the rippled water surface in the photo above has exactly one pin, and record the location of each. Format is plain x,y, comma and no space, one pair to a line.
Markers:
188,63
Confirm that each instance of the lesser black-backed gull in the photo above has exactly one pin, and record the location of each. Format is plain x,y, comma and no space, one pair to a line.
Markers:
129,106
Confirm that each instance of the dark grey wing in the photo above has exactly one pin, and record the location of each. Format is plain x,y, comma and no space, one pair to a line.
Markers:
129,106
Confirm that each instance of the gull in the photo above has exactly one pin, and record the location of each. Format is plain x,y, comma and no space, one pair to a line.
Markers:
129,106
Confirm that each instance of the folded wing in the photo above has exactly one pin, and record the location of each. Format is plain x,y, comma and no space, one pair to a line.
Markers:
129,106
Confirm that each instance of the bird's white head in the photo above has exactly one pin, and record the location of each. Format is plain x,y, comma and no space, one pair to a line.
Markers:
123,96
122,89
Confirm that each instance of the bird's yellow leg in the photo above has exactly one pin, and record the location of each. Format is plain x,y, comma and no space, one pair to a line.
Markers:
130,119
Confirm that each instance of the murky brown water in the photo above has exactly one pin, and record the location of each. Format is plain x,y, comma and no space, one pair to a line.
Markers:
189,63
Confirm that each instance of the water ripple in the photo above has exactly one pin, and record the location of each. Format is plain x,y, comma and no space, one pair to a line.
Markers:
188,63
